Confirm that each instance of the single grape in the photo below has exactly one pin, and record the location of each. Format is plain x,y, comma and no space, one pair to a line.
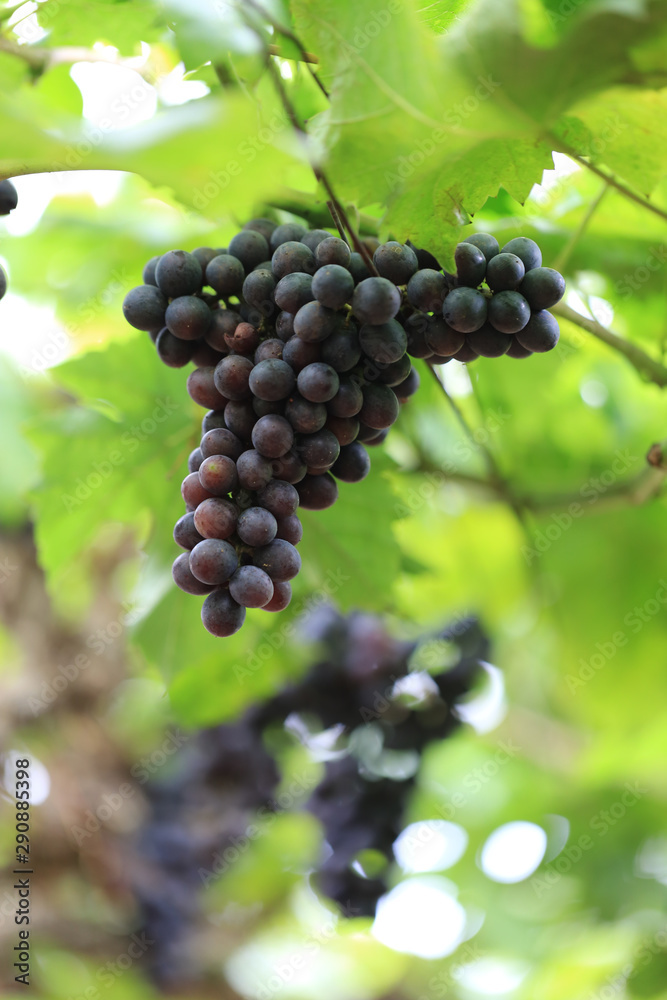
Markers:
442,339
269,349
371,435
9,198
188,317
333,286
313,237
304,416
185,533
383,343
396,372
272,380
505,272
319,450
517,351
279,497
376,300
285,325
298,353
202,389
185,579
427,289
292,257
217,474
318,382
317,492
542,288
332,250
526,249
225,274
282,595
232,377
488,343
358,268
220,441
485,242
289,468
257,526
244,339
348,400
204,356
148,273
144,308
470,265
254,470
293,291
466,354
314,322
192,491
216,518
415,330
541,333
341,350
251,587
213,419
204,255
220,614
264,226
396,262
380,408
213,561
425,258
508,312
240,418
286,233
279,559
408,386
258,290
353,463
195,459
250,247
263,407
173,351
223,322
3,291
272,436
344,428
290,529
178,273
465,309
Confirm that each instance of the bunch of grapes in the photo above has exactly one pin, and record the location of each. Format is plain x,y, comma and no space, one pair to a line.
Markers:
8,202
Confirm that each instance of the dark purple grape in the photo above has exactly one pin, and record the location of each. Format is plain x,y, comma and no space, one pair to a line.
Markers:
220,614
526,249
333,286
380,407
358,268
144,308
272,380
173,351
376,300
202,389
232,377
396,372
257,526
508,312
425,258
485,242
542,288
505,272
251,587
195,459
298,353
488,343
292,257
470,265
415,329
319,450
408,386
383,343
212,420
216,518
285,325
289,468
332,250
185,579
272,436
304,416
286,233
344,428
262,407
427,289
317,492
250,247
225,274
223,323
466,354
213,561
254,471
258,291
279,497
465,309
269,349
371,435
188,317
396,262
541,333
279,559
314,322
192,491
178,273
341,350
348,400
185,533
293,291
244,339
240,418
218,475
220,441
353,463
313,237
148,273
204,255
282,595
318,383
516,350
290,529
264,226
204,355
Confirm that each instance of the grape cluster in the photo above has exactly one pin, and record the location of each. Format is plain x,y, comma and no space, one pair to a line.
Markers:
8,202
301,362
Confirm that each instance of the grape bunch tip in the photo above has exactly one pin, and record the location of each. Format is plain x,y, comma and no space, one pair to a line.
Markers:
303,359
8,202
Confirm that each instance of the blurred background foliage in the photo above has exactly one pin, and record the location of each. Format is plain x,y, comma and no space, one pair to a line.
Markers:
526,498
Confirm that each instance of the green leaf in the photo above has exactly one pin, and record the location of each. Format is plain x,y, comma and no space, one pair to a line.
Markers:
122,23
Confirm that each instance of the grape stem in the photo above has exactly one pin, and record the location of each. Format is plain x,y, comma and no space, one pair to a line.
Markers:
306,57
647,366
40,59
